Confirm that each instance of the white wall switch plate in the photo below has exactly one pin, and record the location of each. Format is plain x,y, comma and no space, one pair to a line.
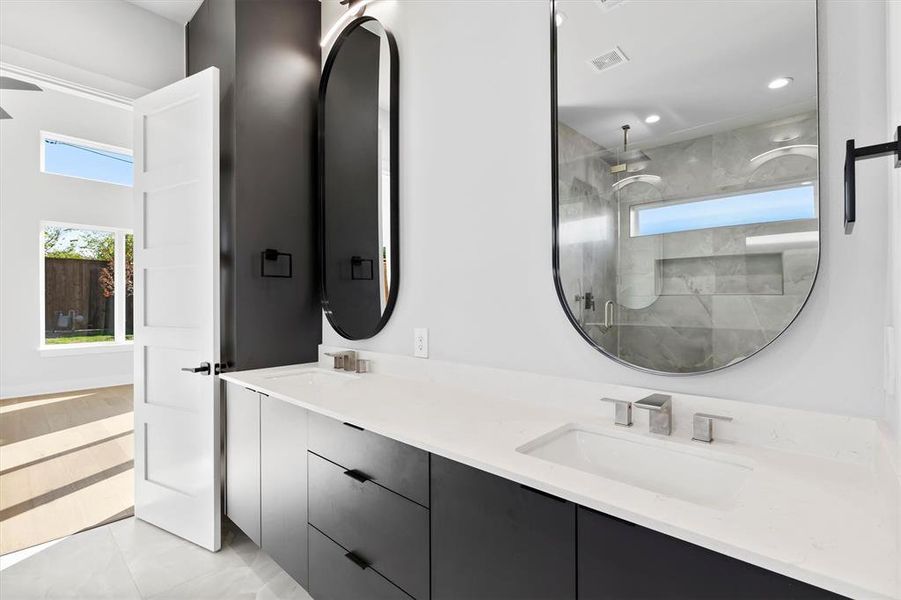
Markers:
421,342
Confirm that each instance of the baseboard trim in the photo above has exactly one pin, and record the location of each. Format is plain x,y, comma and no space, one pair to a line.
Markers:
70,385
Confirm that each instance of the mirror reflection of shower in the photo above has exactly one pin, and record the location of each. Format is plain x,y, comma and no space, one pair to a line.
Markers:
687,209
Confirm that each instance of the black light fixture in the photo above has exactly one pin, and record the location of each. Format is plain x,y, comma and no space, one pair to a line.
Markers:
852,155
355,8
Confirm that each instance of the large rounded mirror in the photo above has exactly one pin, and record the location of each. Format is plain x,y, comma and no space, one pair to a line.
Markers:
686,225
358,180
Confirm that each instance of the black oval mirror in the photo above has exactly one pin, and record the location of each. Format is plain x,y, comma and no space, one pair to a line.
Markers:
358,180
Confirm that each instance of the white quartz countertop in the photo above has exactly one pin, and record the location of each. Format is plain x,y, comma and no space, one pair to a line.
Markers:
826,518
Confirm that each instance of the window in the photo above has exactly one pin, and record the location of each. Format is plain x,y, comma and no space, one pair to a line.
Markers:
73,157
88,284
785,204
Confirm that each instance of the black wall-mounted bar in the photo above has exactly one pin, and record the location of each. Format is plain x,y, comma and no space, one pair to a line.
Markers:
361,268
852,155
270,255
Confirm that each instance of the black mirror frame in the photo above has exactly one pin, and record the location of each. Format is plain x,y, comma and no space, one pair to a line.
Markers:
394,182
555,214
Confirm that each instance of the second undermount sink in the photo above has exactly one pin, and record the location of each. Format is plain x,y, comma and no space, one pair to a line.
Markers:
698,475
312,376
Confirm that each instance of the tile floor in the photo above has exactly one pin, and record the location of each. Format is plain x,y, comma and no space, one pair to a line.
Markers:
132,559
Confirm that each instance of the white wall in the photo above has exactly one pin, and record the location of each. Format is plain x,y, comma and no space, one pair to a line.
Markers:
475,186
27,197
893,295
107,44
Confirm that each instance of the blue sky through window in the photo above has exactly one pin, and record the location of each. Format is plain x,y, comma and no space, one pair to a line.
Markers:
787,204
74,160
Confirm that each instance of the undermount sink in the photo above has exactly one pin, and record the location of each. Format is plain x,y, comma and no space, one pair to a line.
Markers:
312,376
698,475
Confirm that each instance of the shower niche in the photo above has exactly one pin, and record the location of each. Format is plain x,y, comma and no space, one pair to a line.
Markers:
686,200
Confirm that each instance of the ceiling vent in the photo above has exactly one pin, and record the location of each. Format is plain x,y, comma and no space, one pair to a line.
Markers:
609,60
608,4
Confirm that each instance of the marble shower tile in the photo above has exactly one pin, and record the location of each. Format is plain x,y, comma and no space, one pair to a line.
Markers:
735,312
684,311
688,244
686,276
636,289
684,166
748,274
799,268
731,345
672,349
733,149
774,313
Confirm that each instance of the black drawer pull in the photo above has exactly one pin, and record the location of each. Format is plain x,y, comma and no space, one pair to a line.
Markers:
358,475
357,560
354,427
540,493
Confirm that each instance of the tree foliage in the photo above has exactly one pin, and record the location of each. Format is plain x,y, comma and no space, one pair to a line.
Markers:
83,244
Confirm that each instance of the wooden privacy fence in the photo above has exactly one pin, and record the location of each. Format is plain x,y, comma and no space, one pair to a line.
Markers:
73,297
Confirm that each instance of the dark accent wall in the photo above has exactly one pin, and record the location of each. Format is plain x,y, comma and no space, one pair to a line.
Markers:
269,57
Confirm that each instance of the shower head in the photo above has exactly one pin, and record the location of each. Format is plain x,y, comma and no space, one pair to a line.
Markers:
625,160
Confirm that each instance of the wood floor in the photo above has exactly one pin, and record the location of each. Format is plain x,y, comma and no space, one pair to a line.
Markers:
66,464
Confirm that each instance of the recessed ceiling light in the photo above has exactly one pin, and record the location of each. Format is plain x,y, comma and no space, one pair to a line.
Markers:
779,82
651,119
559,18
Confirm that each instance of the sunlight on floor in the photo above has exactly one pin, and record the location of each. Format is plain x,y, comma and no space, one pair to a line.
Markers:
66,464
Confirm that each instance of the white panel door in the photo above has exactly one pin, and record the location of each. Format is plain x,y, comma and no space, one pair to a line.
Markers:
176,308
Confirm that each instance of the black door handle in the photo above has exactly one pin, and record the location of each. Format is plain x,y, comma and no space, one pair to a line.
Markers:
203,368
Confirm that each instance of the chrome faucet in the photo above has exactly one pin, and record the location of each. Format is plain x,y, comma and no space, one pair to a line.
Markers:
660,417
345,359
623,414
702,426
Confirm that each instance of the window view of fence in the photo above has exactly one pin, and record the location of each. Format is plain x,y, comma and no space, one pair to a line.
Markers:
80,285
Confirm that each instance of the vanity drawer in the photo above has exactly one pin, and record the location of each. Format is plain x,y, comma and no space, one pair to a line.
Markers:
334,576
388,531
391,464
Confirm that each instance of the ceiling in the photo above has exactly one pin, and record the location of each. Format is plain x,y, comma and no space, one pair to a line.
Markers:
702,66
179,11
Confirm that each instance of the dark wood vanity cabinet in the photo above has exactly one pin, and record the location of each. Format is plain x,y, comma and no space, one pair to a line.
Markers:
618,559
368,514
494,539
266,475
335,577
351,514
381,527
283,485
387,462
